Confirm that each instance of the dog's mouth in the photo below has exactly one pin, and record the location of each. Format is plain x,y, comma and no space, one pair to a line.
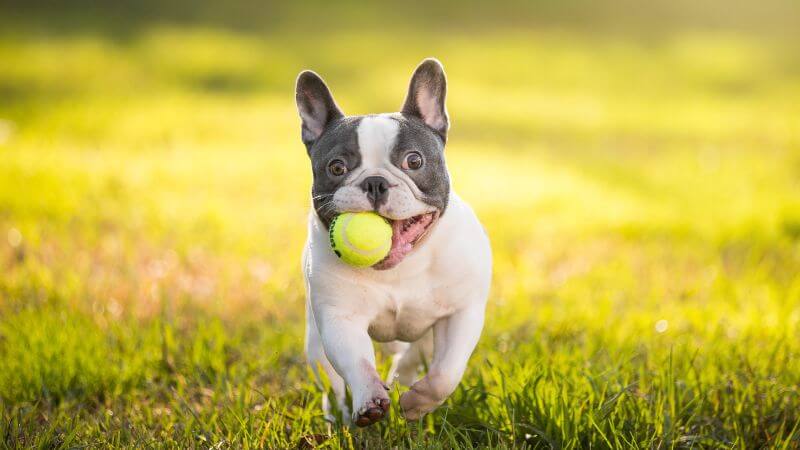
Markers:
406,233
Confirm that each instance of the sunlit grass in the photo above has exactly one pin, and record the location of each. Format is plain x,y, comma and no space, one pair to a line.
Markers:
641,197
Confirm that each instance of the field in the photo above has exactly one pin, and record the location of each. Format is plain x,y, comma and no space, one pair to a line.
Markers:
640,185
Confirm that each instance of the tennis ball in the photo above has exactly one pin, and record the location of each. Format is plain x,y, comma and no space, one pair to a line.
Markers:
360,239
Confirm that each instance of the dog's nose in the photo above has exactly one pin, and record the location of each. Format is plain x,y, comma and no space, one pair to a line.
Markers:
377,189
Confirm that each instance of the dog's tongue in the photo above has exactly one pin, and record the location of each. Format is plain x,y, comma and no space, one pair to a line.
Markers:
401,246
404,233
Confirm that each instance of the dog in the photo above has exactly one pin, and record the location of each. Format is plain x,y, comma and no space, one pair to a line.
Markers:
426,300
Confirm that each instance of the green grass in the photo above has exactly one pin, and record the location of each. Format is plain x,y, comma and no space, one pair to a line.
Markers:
641,190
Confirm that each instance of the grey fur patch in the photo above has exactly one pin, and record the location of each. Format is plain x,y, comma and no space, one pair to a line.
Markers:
432,178
339,141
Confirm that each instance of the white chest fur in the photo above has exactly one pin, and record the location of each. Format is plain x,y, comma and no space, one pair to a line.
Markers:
406,312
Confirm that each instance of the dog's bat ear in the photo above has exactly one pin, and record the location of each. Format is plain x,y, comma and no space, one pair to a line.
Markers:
426,96
316,106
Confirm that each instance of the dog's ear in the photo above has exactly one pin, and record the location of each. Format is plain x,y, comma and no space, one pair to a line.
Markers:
426,96
316,106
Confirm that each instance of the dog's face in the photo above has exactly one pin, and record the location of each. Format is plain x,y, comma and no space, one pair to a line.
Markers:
392,164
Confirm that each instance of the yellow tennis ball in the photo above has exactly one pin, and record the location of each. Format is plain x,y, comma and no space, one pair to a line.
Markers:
360,239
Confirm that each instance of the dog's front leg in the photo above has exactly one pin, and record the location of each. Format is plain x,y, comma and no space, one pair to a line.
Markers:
454,339
349,349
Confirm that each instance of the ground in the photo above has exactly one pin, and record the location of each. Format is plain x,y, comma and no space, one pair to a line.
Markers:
641,189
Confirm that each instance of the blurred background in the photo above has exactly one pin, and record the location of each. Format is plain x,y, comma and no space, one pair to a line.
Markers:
636,164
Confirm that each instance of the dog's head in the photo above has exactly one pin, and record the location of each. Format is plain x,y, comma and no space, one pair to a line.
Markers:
392,164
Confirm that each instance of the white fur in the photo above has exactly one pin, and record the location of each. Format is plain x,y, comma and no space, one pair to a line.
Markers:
435,297
376,137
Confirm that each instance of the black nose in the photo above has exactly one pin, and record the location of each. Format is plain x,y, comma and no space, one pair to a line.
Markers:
377,189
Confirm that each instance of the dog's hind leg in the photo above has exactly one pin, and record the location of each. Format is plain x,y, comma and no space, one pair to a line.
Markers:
315,355
409,358
455,338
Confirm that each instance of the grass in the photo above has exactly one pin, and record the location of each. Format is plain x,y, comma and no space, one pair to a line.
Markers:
641,192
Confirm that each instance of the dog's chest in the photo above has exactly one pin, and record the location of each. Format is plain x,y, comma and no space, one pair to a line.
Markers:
407,314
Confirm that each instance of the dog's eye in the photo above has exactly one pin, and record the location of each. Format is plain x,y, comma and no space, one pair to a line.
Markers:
413,161
337,167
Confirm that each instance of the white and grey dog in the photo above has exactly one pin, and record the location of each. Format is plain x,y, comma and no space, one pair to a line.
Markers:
426,300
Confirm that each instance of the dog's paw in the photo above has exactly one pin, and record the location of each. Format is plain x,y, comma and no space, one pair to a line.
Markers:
425,396
374,408
415,405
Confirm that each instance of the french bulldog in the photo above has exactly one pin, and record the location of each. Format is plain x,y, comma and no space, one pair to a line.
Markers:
426,300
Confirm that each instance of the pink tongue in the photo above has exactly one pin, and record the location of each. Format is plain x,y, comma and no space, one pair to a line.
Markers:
402,241
401,246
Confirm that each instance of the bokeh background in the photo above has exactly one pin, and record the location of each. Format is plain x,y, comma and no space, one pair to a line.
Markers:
636,165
